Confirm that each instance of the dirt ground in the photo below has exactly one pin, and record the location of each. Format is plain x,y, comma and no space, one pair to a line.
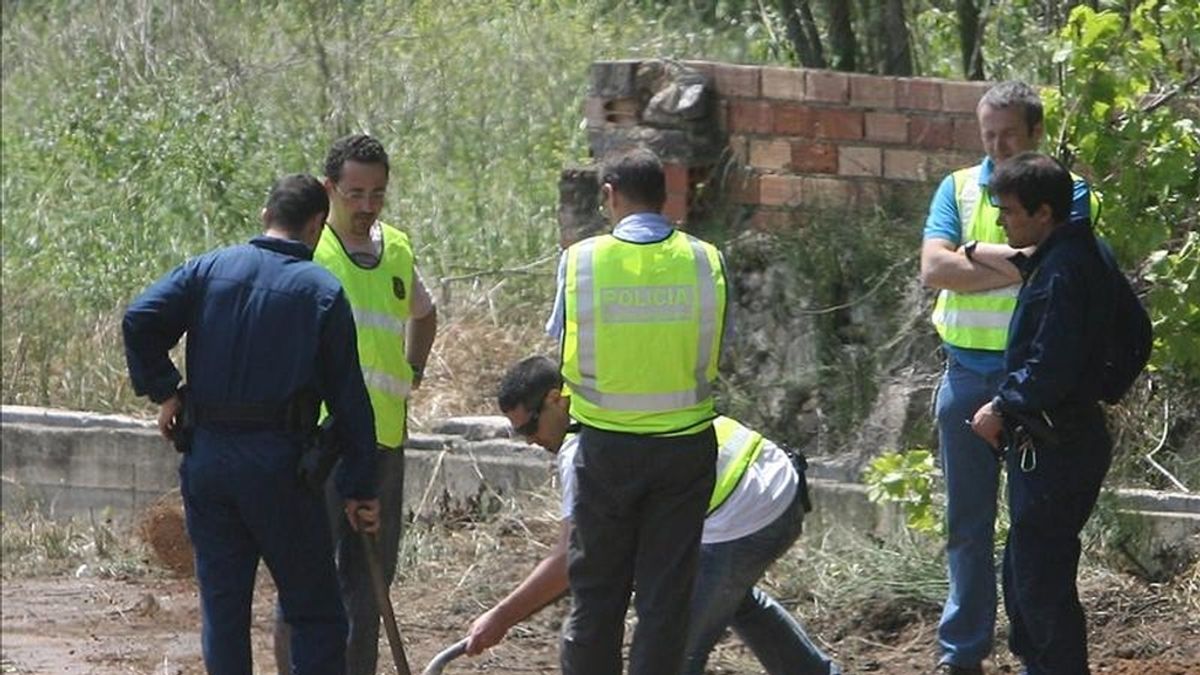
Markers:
150,623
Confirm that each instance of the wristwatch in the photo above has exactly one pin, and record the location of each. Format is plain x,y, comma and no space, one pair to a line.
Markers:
969,249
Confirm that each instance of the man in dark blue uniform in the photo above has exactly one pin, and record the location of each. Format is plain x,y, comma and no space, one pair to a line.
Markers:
1058,446
269,333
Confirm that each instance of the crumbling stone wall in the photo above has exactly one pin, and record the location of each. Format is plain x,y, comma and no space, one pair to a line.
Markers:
759,152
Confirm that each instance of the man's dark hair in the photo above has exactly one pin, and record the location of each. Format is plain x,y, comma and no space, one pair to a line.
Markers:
1036,179
1016,93
354,148
527,382
294,200
638,176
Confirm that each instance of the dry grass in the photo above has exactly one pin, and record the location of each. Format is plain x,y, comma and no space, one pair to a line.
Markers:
468,359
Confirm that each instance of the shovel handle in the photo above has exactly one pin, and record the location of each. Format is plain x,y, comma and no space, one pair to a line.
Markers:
438,664
384,602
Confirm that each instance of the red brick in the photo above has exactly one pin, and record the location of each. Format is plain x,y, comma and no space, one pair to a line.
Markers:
966,134
739,147
962,96
810,157
677,177
623,112
740,81
886,126
873,91
918,94
749,116
708,68
793,120
859,161
827,86
779,190
774,220
829,193
741,187
838,123
939,164
783,83
904,164
770,154
929,131
676,207
722,107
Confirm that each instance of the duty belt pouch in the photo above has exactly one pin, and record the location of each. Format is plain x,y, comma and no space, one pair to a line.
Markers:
801,464
185,421
321,453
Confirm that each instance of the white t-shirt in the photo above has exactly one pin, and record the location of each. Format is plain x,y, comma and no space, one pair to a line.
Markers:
764,493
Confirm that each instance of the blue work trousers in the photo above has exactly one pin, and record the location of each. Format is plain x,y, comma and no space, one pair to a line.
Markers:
244,502
972,476
1050,497
725,596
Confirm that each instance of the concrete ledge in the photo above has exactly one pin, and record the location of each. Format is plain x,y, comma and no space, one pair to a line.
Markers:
73,463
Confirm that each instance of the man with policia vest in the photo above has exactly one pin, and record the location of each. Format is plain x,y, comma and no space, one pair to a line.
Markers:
754,515
641,313
966,256
397,322
269,334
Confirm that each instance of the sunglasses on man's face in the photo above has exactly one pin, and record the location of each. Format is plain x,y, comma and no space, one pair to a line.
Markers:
530,426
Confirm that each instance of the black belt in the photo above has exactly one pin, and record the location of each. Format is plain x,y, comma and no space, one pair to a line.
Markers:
265,417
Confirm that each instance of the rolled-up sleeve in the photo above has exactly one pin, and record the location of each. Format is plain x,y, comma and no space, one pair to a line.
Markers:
346,396
153,324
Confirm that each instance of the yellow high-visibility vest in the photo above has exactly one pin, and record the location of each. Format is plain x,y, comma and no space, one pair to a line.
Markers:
642,333
979,320
738,447
380,298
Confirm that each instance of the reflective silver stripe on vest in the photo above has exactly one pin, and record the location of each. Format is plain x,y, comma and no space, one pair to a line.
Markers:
974,318
366,318
386,383
637,402
968,202
730,450
585,317
708,317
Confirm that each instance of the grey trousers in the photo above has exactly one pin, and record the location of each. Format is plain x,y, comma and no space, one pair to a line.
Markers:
354,579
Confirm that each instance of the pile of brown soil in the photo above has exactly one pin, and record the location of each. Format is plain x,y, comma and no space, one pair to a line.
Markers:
162,527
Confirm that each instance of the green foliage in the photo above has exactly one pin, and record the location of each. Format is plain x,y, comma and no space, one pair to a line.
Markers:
1105,115
906,478
135,135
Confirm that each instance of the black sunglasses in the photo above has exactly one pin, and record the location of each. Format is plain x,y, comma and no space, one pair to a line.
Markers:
530,426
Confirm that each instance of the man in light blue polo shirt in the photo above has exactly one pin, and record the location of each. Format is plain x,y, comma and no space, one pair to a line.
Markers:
966,257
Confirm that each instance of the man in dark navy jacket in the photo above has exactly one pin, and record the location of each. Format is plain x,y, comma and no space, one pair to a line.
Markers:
268,331
1047,410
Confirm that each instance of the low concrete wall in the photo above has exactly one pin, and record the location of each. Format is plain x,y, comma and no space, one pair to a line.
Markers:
73,463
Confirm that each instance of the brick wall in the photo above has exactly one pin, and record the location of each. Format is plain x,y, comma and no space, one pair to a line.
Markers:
802,140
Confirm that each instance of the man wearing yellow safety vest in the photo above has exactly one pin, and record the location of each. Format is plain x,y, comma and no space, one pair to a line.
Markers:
754,515
641,313
396,322
966,256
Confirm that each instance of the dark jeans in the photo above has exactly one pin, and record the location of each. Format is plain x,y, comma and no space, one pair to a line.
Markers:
726,596
354,578
1049,506
638,513
244,501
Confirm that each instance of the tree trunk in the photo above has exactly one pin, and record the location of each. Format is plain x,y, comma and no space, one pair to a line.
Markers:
841,36
802,33
898,56
970,34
